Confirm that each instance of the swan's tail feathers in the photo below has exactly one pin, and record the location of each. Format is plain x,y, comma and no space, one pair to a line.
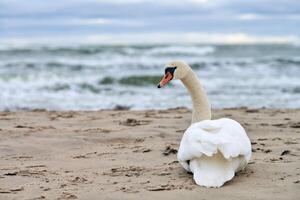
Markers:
212,171
216,150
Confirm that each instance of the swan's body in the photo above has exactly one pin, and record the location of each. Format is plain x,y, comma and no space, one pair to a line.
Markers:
213,150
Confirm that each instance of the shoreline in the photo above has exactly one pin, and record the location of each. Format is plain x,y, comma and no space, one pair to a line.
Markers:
131,154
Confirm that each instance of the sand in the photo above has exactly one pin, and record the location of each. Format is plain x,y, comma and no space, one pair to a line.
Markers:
114,154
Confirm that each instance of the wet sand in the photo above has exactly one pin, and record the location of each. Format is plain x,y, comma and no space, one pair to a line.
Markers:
114,154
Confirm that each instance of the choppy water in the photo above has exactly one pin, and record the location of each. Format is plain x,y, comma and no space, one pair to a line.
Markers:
91,77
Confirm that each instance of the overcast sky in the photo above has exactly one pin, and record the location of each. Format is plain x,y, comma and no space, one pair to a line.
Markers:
277,19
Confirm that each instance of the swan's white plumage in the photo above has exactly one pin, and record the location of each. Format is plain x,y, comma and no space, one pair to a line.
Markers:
214,150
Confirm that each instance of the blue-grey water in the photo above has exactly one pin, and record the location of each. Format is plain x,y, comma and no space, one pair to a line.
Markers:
91,77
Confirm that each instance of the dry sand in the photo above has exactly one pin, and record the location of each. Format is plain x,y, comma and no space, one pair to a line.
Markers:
132,155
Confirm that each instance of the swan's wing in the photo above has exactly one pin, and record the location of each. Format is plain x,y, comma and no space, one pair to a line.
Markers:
214,150
210,136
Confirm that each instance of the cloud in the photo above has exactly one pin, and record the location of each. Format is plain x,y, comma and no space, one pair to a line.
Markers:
250,16
191,37
100,17
158,38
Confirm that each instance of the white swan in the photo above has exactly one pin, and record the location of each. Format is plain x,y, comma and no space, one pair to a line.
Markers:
213,150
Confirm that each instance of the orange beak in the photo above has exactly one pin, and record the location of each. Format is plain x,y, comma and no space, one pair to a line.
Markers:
166,79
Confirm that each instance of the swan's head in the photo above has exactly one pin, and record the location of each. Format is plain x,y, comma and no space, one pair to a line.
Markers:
174,70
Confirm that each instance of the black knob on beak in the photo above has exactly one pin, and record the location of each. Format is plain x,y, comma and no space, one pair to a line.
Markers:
158,86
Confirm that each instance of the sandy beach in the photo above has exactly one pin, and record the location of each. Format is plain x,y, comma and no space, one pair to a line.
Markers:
115,154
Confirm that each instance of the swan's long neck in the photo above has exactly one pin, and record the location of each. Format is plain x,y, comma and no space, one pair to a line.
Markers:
201,106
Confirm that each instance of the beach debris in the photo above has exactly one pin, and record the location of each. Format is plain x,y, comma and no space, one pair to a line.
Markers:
173,162
79,156
138,140
34,166
121,107
125,171
32,173
146,150
162,187
262,139
129,189
141,149
134,122
11,190
252,110
295,125
95,130
79,180
164,174
290,142
267,151
17,189
158,188
276,138
279,125
180,130
38,110
55,115
169,150
285,152
11,174
66,195
22,126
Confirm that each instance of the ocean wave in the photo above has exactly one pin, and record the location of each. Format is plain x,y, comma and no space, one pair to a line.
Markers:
97,87
140,80
165,50
287,61
95,76
181,50
135,80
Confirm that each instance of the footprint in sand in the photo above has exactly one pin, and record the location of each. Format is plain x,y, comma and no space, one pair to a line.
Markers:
66,195
11,190
131,171
95,130
87,155
290,142
61,115
288,152
295,125
296,181
262,139
169,150
140,149
280,125
78,179
23,126
134,122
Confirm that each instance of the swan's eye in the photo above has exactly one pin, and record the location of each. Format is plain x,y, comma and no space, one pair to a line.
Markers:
170,69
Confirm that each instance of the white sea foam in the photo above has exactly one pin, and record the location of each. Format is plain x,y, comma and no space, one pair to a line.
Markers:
181,50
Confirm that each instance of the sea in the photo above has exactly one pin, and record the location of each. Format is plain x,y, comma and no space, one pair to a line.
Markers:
94,77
